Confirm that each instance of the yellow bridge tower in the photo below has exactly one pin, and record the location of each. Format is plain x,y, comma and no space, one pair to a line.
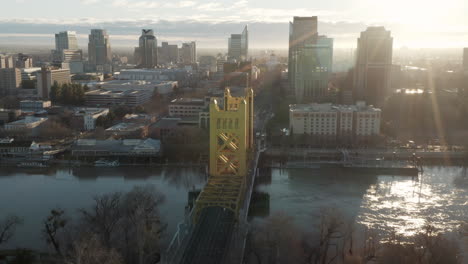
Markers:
231,139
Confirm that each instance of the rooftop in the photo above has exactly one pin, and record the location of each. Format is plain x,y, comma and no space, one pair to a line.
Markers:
121,127
120,145
328,107
188,101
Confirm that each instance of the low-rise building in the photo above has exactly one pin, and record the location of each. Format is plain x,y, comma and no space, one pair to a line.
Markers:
335,123
117,148
139,118
47,77
8,115
34,105
30,122
133,130
182,107
10,81
160,87
131,98
184,77
10,147
84,118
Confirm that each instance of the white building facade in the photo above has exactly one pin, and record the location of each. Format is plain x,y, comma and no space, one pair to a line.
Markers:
345,124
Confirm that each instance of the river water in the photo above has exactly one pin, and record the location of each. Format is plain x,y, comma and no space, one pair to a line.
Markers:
383,202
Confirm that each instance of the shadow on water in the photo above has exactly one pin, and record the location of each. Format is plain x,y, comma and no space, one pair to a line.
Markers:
304,193
32,193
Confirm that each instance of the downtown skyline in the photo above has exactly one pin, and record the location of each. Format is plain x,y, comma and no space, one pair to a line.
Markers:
342,20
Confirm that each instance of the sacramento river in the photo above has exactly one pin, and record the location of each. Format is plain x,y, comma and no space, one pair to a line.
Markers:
383,202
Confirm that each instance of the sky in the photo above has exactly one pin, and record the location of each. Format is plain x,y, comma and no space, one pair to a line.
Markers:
414,23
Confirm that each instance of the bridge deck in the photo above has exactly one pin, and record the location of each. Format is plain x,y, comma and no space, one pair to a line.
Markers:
209,241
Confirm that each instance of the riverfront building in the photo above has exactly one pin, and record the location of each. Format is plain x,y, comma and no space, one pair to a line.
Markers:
329,123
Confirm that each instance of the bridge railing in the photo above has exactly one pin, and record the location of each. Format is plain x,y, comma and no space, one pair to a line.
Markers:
178,243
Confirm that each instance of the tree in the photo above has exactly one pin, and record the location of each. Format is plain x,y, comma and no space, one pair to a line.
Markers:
142,224
55,92
89,250
104,217
53,225
276,240
8,227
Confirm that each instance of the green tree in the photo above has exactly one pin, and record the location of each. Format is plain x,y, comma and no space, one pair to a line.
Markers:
55,92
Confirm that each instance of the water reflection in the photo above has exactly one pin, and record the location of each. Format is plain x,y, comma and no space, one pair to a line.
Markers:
386,203
30,194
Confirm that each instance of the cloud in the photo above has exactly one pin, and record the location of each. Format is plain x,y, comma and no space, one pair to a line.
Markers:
140,5
89,2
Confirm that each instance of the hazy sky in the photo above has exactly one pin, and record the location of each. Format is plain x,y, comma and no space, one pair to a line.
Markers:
414,23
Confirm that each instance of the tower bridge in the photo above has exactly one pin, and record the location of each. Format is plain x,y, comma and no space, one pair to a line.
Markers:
215,230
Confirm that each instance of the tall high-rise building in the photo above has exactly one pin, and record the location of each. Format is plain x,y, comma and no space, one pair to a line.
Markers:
146,53
66,48
6,61
99,49
66,40
188,53
10,80
312,70
465,59
303,30
238,45
373,68
310,60
168,53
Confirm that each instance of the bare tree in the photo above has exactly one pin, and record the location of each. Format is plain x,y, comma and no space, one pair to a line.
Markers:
53,225
104,216
142,223
89,250
276,240
8,227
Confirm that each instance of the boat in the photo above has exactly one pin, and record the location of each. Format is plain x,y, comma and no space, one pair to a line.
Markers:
106,163
32,164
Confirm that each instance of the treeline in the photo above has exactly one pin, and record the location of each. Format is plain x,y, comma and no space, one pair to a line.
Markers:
68,93
117,228
339,241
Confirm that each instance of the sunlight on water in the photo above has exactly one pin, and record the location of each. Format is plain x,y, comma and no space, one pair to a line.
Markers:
406,205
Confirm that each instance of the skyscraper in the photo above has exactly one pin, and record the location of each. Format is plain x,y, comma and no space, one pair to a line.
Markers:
66,46
465,59
373,65
310,60
146,53
303,30
188,53
66,40
238,45
312,70
99,49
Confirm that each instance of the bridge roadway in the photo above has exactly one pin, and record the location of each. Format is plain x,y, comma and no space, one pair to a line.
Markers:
218,237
